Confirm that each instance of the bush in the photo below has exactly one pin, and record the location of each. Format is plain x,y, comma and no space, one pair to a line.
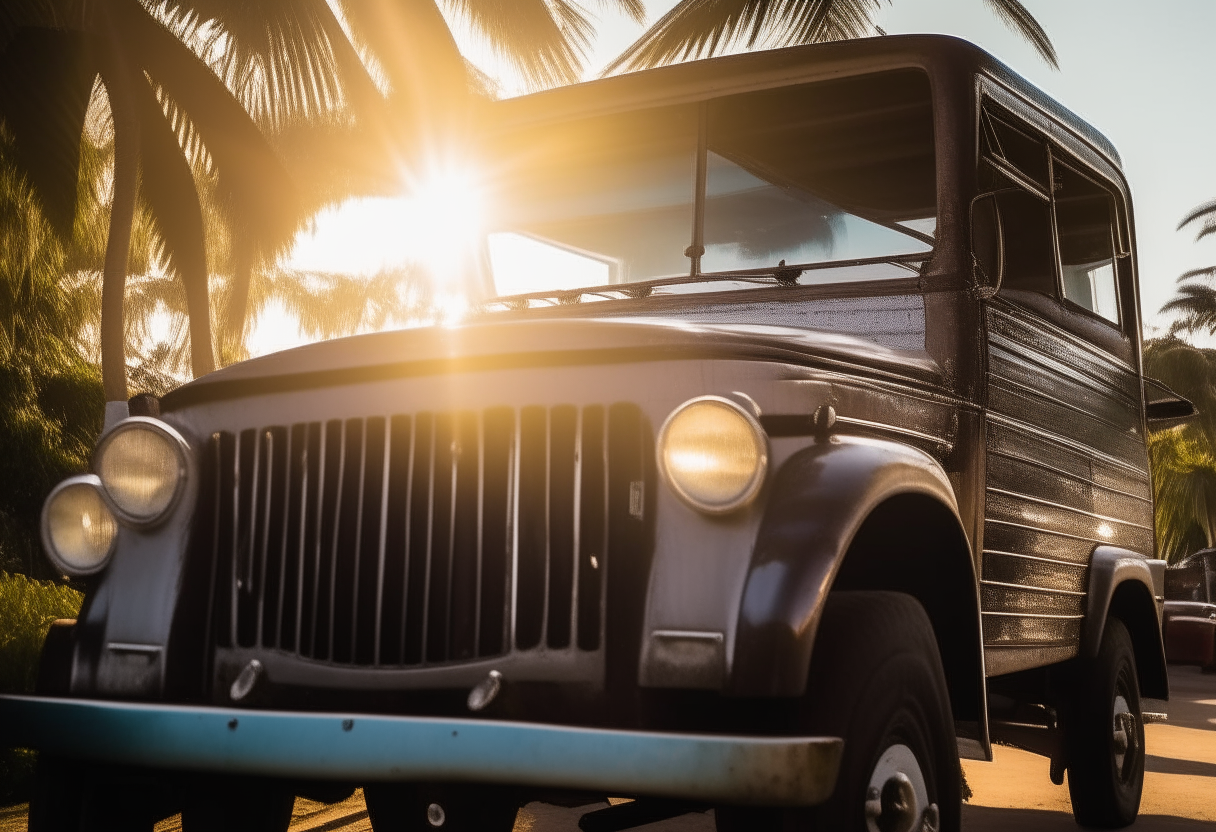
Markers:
27,608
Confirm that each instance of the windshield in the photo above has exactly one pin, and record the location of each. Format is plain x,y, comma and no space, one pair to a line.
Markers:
778,183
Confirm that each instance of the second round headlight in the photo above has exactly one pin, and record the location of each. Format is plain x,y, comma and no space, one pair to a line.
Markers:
141,466
713,454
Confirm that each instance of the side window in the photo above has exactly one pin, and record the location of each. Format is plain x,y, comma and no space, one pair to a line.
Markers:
1087,251
1059,226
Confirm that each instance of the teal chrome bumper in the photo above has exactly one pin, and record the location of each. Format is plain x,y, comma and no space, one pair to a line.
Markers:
791,771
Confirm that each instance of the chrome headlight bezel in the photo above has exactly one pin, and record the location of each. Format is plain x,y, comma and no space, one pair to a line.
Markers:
52,552
181,451
749,492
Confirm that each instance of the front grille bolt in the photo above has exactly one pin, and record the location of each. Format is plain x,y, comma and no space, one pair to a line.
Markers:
435,815
483,693
246,680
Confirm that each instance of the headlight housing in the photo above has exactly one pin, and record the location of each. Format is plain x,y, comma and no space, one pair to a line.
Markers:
78,528
713,454
142,464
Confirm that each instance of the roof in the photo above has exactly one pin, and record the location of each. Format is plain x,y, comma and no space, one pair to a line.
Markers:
699,80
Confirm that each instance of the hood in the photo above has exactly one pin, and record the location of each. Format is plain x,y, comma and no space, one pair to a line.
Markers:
490,345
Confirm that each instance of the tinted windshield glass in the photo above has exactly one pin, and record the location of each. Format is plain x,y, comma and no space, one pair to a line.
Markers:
798,177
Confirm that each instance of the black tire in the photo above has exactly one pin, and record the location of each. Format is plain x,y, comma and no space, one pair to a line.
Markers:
876,679
425,807
247,804
1104,749
73,796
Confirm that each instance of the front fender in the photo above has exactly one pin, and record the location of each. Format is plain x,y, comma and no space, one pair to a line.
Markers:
819,500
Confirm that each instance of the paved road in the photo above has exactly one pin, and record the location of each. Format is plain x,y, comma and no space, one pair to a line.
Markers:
1011,794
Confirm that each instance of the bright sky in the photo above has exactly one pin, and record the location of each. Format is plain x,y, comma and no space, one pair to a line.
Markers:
1140,72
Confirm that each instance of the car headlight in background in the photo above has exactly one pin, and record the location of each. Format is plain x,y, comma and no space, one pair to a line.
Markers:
141,463
78,529
713,454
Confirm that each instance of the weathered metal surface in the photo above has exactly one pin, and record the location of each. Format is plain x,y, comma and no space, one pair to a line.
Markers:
791,771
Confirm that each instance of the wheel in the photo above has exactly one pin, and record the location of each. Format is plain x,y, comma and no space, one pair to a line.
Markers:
72,796
237,803
876,679
424,807
1104,734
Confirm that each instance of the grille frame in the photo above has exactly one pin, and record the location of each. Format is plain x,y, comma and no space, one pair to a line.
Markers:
575,660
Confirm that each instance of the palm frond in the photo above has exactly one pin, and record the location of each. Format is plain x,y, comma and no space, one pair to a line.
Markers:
545,40
45,82
1205,211
281,60
253,184
1018,18
703,28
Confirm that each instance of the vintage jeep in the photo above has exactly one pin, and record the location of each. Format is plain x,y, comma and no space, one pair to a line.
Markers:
795,448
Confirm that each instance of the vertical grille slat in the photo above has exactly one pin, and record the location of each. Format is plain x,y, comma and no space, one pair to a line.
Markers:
563,432
593,528
413,539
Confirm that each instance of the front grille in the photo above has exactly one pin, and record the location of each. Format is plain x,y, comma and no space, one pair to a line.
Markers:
413,539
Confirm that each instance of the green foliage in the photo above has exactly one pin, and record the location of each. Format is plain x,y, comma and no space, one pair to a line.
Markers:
51,402
1184,458
27,608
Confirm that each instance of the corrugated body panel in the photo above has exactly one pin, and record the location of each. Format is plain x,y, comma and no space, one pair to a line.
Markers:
1066,472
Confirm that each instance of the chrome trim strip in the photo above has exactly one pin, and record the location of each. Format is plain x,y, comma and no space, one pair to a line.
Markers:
1100,355
1030,588
994,490
1040,558
1048,531
864,423
1027,390
1050,365
133,647
1034,615
1079,447
1066,474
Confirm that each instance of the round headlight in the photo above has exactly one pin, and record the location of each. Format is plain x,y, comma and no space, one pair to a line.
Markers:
141,464
78,529
713,453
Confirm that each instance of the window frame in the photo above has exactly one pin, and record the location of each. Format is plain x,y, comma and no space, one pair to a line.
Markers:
1055,155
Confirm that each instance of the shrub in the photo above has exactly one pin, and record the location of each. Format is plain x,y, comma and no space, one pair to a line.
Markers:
27,608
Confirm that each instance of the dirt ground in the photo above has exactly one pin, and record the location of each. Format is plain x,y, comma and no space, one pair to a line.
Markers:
1011,794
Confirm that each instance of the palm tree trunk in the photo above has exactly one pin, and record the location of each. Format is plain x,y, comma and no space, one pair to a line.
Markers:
236,312
117,80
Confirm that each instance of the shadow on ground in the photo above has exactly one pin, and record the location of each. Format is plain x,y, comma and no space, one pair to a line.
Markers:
991,819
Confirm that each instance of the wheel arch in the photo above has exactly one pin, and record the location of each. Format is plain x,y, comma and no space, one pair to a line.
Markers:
1126,585
843,514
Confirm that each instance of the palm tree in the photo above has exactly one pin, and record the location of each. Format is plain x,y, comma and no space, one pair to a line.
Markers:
703,28
1195,301
1184,458
158,91
300,69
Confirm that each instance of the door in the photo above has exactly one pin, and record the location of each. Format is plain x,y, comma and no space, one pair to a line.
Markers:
1066,465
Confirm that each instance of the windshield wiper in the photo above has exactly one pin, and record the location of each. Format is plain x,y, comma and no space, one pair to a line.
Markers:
780,275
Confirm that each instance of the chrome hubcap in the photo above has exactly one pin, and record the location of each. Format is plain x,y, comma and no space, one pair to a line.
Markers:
1126,734
897,799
